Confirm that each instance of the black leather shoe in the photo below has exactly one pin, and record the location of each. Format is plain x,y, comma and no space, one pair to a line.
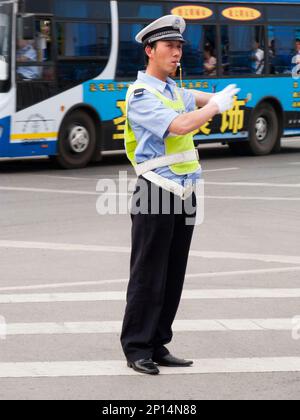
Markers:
172,361
144,366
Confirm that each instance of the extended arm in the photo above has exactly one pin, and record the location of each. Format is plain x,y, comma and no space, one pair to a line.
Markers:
218,103
202,98
191,121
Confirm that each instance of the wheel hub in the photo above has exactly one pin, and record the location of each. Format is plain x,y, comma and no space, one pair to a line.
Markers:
79,139
261,128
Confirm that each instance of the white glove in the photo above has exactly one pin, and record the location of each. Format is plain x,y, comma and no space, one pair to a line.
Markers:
224,102
225,99
228,89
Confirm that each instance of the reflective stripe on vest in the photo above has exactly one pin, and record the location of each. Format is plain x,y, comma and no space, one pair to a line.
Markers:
178,149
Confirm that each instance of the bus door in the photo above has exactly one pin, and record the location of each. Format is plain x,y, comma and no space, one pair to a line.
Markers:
35,68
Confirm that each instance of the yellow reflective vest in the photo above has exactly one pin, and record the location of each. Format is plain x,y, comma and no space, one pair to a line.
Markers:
174,145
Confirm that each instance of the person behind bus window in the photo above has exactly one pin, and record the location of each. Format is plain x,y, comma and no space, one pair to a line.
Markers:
210,61
272,49
258,58
272,56
296,57
27,53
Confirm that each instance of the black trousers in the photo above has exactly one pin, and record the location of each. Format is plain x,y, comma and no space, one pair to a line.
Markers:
160,249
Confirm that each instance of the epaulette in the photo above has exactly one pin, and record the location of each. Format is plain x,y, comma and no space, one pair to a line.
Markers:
139,92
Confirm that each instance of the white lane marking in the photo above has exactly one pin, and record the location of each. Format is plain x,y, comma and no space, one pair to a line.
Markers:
66,284
117,249
47,190
129,178
119,368
243,256
252,184
121,295
102,177
71,178
125,280
91,193
242,272
114,153
220,170
249,198
62,247
110,327
67,192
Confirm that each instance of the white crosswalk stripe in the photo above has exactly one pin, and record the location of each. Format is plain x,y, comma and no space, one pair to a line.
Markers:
236,273
121,296
283,259
119,368
108,327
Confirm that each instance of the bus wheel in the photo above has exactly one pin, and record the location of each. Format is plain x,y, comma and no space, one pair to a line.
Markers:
77,141
264,130
263,133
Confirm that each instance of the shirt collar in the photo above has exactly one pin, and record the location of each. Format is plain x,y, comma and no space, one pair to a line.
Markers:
156,83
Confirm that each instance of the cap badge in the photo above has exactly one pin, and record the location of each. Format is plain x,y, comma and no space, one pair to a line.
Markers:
176,24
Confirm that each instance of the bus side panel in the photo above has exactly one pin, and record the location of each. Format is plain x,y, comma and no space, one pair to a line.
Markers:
235,123
108,98
5,124
35,129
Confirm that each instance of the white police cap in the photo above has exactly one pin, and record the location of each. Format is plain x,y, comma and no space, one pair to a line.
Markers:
169,28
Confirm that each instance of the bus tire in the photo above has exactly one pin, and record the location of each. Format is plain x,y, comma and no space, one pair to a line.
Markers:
264,130
76,141
264,133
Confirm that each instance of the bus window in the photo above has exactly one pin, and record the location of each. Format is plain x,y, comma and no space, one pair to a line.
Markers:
83,40
35,69
130,53
34,6
199,54
243,50
87,9
280,14
284,48
130,9
5,31
36,51
83,51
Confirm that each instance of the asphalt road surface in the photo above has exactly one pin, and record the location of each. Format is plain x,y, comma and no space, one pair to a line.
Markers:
64,272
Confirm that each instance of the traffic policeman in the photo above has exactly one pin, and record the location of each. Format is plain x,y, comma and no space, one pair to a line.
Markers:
161,119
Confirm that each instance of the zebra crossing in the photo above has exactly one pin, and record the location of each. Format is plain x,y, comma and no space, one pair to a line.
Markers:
64,275
290,326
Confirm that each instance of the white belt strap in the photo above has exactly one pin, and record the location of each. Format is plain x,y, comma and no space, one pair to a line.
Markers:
169,185
167,160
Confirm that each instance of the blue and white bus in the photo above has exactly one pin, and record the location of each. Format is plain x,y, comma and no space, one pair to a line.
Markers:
65,66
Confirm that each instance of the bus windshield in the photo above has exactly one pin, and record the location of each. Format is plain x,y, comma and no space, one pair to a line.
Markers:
5,33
